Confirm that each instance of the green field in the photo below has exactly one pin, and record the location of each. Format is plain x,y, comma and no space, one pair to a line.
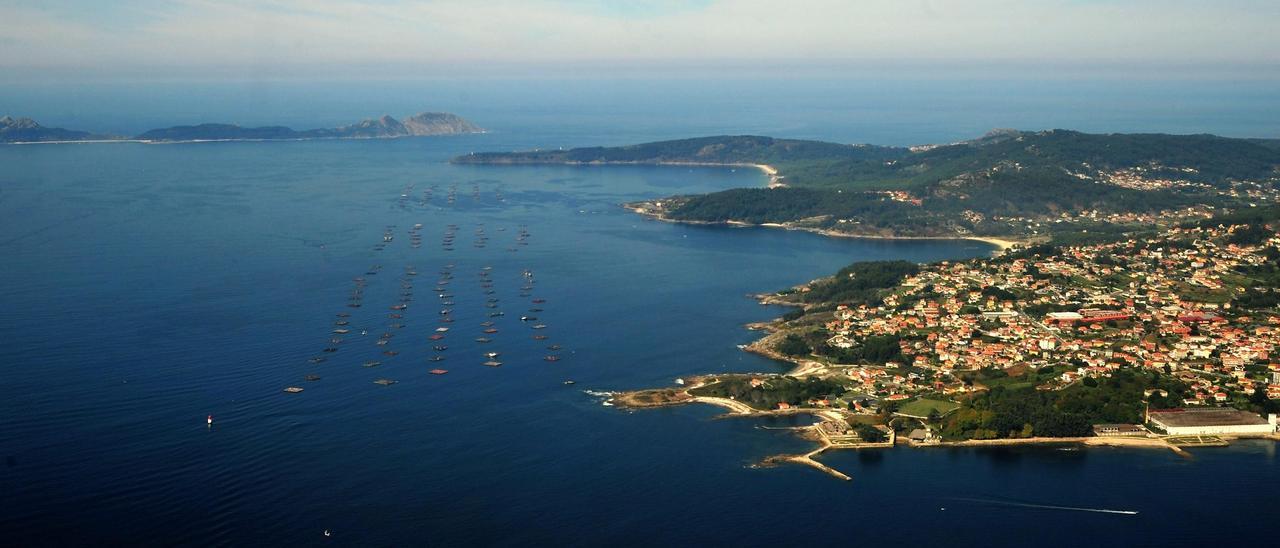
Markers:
922,407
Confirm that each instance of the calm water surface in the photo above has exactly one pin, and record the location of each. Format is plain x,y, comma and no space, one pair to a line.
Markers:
145,287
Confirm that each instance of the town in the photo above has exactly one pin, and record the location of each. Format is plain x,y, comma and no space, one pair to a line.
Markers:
1167,341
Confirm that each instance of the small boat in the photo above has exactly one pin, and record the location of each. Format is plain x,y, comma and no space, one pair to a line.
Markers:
539,301
446,319
551,358
395,316
540,326
331,349
344,314
335,340
535,310
311,378
353,305
447,303
483,340
397,325
437,358
496,314
570,381
441,329
539,337
491,330
342,322
492,363
528,318
293,389
372,363
490,305
439,371
399,306
436,337
385,382
439,348
390,352
341,331
486,324
317,359
445,311
382,342
554,347
492,355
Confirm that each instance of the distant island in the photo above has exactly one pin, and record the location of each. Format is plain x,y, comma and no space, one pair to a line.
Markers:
26,130
1007,185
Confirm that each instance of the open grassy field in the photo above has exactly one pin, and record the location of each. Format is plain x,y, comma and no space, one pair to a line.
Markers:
922,407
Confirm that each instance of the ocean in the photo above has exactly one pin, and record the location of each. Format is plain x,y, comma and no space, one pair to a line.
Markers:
147,287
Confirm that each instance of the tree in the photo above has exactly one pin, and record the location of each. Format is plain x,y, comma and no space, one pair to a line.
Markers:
793,345
871,434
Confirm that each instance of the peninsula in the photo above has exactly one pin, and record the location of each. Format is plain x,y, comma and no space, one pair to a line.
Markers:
1008,186
26,130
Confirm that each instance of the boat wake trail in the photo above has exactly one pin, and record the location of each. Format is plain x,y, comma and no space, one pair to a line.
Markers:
1050,506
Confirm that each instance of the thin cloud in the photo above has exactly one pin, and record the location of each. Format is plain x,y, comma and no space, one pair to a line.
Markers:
195,33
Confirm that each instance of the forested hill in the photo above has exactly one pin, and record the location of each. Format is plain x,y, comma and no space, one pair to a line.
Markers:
1210,159
1004,183
725,149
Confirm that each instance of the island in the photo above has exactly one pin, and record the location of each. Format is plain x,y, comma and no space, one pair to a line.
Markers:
26,130
422,124
1139,306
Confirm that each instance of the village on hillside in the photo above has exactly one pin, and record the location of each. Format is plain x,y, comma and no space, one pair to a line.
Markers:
1171,338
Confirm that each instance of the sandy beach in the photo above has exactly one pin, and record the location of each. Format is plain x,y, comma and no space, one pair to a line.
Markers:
1001,244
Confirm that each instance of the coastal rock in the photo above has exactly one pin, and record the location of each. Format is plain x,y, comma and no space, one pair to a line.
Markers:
439,123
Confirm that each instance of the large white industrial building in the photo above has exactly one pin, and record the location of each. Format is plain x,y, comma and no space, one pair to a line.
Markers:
1217,420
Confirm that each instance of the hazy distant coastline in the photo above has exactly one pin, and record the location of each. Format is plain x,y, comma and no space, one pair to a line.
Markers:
28,131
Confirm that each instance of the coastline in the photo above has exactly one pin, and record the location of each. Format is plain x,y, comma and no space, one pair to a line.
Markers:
1001,244
775,180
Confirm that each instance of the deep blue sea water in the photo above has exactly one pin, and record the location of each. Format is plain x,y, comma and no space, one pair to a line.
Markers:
144,287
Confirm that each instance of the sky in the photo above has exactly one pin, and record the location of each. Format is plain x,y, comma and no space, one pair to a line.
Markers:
279,37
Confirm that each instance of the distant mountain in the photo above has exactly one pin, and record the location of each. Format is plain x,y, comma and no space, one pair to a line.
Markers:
26,130
426,123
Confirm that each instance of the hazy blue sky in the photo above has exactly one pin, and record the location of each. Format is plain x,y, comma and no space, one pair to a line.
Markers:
187,36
